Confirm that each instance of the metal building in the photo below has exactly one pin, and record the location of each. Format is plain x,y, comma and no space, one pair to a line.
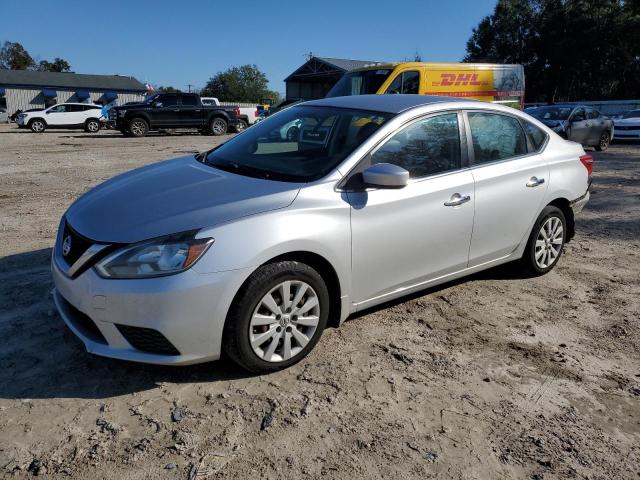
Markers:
25,89
316,77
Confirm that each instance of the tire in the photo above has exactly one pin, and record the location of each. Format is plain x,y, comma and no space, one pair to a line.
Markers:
249,319
138,127
92,126
542,254
218,126
605,140
241,125
37,125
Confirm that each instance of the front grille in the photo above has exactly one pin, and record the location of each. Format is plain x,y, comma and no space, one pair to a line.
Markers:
628,128
78,243
147,340
82,321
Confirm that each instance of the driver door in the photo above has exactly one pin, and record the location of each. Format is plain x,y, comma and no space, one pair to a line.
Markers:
579,126
405,237
58,115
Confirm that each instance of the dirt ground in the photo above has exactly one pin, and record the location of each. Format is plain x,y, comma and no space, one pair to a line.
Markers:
492,377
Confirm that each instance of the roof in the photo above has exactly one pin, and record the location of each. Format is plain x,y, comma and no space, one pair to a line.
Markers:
382,103
346,64
31,78
327,65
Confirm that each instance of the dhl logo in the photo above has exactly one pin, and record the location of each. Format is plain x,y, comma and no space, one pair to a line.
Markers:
458,79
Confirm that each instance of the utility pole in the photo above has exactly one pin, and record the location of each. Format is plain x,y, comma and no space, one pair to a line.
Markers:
189,85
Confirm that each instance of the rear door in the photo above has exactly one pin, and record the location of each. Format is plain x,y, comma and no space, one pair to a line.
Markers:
511,179
405,237
76,115
190,111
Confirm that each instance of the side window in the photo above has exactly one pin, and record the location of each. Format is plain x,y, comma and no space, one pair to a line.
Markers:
536,134
496,137
76,108
406,82
59,109
168,100
593,114
189,101
578,115
426,147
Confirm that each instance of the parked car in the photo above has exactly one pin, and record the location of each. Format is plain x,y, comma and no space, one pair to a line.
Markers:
62,115
253,247
248,115
173,110
578,123
4,116
627,126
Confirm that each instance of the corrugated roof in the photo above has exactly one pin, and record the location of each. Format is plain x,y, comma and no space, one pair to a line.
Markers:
346,64
69,80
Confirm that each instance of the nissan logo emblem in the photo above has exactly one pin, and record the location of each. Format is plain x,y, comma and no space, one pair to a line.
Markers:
66,245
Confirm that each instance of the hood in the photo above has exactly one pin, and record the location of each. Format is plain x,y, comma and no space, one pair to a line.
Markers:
170,197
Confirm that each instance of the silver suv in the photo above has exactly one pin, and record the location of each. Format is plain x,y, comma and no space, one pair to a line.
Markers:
254,247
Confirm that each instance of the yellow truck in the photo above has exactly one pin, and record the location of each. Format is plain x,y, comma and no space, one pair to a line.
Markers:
488,82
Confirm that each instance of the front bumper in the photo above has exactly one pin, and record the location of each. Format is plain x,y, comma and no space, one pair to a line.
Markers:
188,309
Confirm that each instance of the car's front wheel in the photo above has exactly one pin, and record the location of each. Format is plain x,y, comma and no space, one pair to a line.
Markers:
277,317
138,127
603,144
546,241
37,125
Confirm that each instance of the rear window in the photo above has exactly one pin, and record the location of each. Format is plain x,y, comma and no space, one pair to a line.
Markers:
360,83
537,135
189,101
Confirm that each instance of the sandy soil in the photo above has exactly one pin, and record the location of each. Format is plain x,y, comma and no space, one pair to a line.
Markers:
492,377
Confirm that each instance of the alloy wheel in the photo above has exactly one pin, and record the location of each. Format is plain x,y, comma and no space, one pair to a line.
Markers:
218,126
604,141
549,242
137,128
284,321
93,127
37,126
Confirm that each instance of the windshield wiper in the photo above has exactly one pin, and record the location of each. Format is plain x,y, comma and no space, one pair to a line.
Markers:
241,169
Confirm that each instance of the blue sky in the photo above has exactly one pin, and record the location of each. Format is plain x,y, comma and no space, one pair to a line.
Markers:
176,43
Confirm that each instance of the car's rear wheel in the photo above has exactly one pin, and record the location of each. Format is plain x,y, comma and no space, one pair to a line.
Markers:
546,241
603,144
138,127
241,125
277,317
218,126
37,125
92,126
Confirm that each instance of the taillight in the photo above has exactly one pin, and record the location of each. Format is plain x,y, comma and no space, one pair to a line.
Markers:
587,161
237,111
256,114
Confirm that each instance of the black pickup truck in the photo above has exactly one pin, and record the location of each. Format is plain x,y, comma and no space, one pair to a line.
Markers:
173,110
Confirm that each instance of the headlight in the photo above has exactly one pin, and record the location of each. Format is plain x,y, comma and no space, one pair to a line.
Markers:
121,113
154,258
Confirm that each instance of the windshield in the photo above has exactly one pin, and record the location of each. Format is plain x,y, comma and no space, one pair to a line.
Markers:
359,83
299,144
551,113
152,98
632,114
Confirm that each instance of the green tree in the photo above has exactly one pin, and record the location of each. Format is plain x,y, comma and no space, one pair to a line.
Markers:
13,56
168,89
58,65
570,49
239,84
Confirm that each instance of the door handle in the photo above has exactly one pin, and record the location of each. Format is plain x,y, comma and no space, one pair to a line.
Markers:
535,181
457,199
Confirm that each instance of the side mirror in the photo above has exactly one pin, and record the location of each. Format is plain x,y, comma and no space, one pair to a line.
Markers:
385,175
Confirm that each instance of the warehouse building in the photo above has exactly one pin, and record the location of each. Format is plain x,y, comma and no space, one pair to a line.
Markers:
26,89
316,77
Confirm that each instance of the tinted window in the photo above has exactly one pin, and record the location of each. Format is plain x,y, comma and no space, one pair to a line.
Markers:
59,109
189,100
93,107
426,147
168,100
76,108
578,115
496,137
593,114
536,135
360,83
406,82
551,113
298,144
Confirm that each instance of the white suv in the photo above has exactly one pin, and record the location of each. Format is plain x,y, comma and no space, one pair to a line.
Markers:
63,115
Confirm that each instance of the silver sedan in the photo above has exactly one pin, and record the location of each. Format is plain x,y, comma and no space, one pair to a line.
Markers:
254,247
